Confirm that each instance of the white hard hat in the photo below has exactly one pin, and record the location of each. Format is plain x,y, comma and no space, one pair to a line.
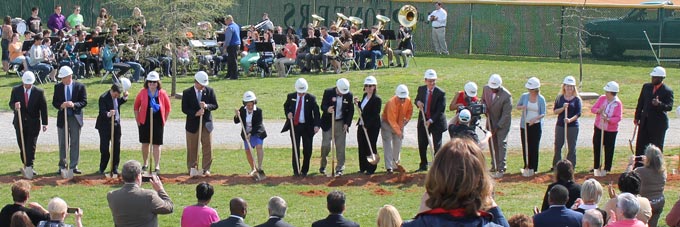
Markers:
301,85
28,77
430,74
249,96
495,81
402,91
153,76
533,83
342,85
65,71
611,86
658,72
370,80
464,115
125,83
202,78
569,80
470,89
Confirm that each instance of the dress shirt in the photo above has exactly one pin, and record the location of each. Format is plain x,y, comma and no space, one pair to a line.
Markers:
441,18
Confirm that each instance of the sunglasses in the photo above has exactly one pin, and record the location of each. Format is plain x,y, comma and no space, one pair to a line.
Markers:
369,85
152,82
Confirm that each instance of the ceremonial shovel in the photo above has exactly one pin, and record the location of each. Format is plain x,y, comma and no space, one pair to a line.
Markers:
66,173
253,173
526,172
194,171
373,158
27,172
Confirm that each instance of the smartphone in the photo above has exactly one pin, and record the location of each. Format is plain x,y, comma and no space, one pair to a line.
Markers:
71,210
146,179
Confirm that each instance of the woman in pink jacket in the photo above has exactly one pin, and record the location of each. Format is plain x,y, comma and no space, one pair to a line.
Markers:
608,110
152,101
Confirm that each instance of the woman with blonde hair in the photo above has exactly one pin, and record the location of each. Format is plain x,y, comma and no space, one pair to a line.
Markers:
653,181
567,99
388,216
458,189
591,194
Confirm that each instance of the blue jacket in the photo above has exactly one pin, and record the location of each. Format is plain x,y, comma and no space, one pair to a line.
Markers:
524,100
448,220
232,35
558,216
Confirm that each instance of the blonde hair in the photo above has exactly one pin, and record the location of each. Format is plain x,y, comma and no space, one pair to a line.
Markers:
388,216
654,158
591,191
562,91
57,208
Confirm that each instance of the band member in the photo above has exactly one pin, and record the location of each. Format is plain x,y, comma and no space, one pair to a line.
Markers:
199,100
656,98
109,107
608,110
342,51
37,57
57,21
252,56
267,57
30,100
151,98
532,105
289,56
405,47
463,99
568,99
266,24
432,101
321,60
337,101
498,101
303,109
373,49
232,41
109,52
34,22
252,117
370,105
304,51
71,97
395,117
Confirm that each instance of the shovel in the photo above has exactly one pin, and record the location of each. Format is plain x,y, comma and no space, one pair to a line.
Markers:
492,149
254,173
111,174
27,172
149,153
332,145
194,171
427,131
599,172
66,173
295,145
373,158
526,172
630,141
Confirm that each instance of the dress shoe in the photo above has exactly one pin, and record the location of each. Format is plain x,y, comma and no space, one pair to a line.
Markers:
206,173
76,171
322,171
389,171
338,173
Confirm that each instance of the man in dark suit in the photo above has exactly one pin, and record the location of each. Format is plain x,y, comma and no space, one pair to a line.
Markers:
132,205
238,209
335,202
199,100
31,102
303,109
109,107
71,96
336,100
656,98
558,214
432,101
277,210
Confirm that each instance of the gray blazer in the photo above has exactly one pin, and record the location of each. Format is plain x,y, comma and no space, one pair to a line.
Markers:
133,206
498,110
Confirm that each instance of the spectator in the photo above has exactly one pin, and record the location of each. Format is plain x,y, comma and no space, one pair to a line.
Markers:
20,195
673,217
592,218
521,220
238,209
459,198
388,216
630,182
335,202
132,205
58,211
558,214
564,173
652,181
21,219
627,208
277,211
591,194
200,215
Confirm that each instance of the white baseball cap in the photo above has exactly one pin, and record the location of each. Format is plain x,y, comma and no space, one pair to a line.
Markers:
153,76
202,78
28,77
430,74
65,71
495,81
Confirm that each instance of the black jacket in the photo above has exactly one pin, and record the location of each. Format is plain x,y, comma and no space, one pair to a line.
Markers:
436,110
347,108
275,222
78,97
106,105
371,112
258,127
190,106
34,113
650,115
311,110
334,220
230,222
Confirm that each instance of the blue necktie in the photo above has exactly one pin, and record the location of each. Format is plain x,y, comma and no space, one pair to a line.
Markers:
68,98
115,107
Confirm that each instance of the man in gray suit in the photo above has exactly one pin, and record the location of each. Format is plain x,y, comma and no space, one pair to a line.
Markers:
70,98
132,205
498,102
277,210
238,209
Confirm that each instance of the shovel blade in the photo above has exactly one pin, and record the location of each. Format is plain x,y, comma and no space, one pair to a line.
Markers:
194,172
600,173
64,173
373,159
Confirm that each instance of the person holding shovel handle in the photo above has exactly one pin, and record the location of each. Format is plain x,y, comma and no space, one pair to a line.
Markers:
198,102
109,109
254,132
568,110
655,100
152,107
533,107
30,112
369,125
302,112
608,110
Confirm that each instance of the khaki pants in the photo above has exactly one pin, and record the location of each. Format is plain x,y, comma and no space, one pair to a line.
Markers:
391,146
280,65
340,136
192,149
439,40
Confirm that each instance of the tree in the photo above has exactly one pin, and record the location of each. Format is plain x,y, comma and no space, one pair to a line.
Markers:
169,21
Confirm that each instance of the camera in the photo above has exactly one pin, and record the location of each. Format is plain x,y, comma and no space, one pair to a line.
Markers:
476,110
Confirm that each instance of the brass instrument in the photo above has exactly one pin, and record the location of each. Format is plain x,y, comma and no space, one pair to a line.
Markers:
341,20
317,20
356,21
335,48
246,27
408,16
382,21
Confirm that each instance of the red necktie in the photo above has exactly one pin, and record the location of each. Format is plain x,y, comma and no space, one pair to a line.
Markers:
296,121
429,101
26,98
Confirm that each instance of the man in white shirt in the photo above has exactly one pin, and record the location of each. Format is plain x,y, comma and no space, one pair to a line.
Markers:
438,19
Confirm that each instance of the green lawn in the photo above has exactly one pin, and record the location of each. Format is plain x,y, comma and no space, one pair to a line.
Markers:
365,194
453,73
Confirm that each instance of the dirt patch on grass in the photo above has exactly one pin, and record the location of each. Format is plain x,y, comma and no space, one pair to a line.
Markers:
381,192
313,193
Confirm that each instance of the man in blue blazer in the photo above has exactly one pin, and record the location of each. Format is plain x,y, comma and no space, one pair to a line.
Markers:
335,202
558,214
238,209
69,96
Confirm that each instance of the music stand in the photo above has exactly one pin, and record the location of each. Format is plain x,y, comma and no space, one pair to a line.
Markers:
264,47
27,45
98,41
334,34
241,35
358,38
54,40
388,34
313,42
81,47
365,32
221,37
280,39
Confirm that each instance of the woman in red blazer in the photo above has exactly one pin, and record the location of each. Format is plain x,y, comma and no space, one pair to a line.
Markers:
152,99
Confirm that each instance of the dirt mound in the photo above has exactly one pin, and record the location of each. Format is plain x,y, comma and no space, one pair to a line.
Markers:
381,192
313,193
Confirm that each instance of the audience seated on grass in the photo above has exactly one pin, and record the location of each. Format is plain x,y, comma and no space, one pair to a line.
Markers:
277,211
630,182
200,215
238,208
21,219
335,202
592,218
388,216
564,174
627,207
521,220
58,212
21,191
558,215
591,194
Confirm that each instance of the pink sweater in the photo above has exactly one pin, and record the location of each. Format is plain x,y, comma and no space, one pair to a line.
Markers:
199,216
613,110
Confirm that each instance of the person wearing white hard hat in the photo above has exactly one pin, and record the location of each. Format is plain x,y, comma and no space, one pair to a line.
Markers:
656,98
30,100
396,115
431,100
303,109
336,101
569,99
152,102
533,107
370,105
498,102
199,100
463,99
252,121
109,107
71,97
608,110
